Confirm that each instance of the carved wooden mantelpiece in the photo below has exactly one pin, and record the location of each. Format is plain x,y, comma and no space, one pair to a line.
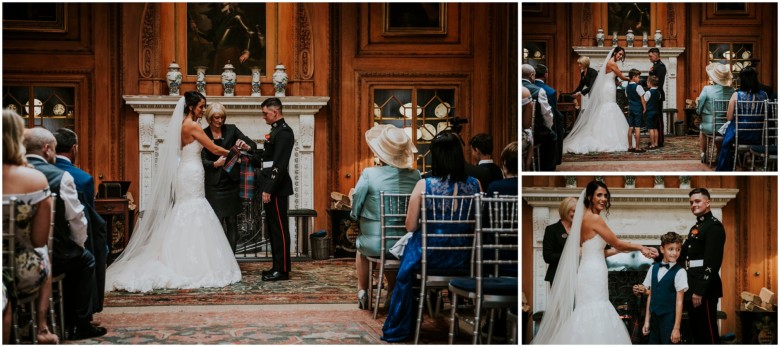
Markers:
155,111
640,215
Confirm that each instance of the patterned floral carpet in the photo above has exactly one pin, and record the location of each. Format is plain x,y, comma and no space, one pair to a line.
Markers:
675,148
311,282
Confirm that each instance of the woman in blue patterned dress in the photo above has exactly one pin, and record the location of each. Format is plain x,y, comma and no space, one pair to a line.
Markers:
748,91
448,178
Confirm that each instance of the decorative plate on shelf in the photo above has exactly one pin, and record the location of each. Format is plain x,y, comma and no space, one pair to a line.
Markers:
59,109
377,111
727,54
442,110
427,131
38,107
408,131
710,54
738,67
406,110
746,55
537,54
442,126
12,107
746,64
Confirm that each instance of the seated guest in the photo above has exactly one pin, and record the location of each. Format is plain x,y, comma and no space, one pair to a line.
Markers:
509,165
481,146
97,243
447,178
394,175
721,90
527,126
748,133
70,233
33,218
67,153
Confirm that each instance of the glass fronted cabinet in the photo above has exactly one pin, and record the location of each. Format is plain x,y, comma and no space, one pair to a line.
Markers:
535,53
422,112
50,107
736,55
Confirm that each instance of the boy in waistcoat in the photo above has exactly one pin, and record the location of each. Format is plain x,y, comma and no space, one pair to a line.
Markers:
652,99
636,108
667,282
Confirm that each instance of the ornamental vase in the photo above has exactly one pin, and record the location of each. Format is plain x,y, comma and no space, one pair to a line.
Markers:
600,38
658,38
630,38
255,81
200,82
280,81
173,78
228,80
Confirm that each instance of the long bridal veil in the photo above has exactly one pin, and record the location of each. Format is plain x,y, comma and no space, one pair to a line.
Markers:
560,303
162,197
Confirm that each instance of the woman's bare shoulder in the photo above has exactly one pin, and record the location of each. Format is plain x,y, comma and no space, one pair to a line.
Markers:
22,179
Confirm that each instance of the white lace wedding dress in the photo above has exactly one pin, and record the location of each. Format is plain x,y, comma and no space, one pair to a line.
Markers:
602,127
189,250
594,319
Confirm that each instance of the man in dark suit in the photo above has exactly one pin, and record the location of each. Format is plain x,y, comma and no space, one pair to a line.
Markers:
545,136
658,70
276,186
552,97
70,234
97,243
481,146
222,188
702,254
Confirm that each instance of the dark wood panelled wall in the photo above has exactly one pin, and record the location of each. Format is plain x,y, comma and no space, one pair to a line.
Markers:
750,220
690,25
110,49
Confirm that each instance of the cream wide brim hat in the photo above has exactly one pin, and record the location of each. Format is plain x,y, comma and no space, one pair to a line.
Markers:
720,74
391,145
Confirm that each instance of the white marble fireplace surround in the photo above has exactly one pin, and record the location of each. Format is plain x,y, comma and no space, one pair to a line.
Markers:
636,58
155,112
639,215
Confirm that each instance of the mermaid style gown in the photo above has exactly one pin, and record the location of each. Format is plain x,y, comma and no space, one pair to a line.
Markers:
594,319
601,127
190,251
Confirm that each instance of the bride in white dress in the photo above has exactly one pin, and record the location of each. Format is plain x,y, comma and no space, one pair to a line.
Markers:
602,127
178,241
578,309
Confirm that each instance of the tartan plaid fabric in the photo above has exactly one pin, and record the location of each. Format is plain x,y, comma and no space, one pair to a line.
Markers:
247,183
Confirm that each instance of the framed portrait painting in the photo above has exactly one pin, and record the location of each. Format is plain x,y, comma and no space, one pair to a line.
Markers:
218,33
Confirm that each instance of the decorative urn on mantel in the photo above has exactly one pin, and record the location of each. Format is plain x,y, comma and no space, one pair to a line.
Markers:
173,78
630,38
658,38
600,38
228,80
255,81
280,81
200,81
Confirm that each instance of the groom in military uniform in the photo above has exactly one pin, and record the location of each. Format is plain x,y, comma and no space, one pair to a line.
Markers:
702,254
276,186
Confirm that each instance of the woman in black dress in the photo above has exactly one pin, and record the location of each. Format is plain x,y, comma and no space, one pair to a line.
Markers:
222,187
555,237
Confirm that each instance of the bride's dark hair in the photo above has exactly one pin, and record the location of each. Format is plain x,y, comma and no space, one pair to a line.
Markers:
191,99
619,49
591,189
